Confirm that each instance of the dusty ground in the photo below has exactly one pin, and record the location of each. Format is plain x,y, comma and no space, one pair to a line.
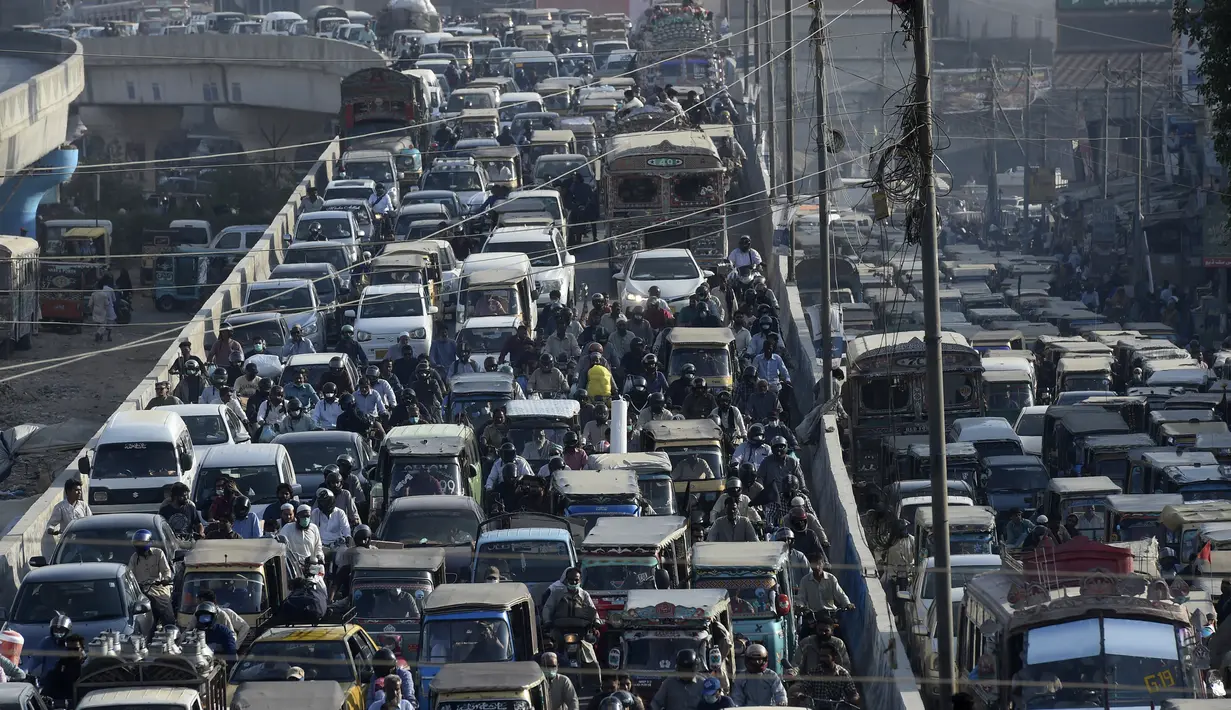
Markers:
36,388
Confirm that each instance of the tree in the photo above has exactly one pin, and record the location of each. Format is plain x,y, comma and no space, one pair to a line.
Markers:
1208,23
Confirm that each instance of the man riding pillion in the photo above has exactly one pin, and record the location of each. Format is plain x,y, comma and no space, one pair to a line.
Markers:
150,567
296,419
731,526
303,539
348,346
495,477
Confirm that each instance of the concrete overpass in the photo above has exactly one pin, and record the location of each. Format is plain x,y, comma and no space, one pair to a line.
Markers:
40,75
267,91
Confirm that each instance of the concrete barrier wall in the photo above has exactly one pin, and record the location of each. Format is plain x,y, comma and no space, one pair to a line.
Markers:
33,114
27,537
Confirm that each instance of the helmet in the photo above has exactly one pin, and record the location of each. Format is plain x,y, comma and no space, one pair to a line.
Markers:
205,614
636,344
649,360
347,401
143,539
346,464
798,518
384,657
372,373
688,370
327,388
225,327
61,626
734,485
686,660
241,506
699,383
546,360
756,650
776,442
218,376
335,363
250,369
784,535
765,322
361,533
332,475
294,405
348,329
702,291
600,411
555,463
756,432
625,698
571,438
611,702
508,452
324,495
598,300
594,348
745,241
657,399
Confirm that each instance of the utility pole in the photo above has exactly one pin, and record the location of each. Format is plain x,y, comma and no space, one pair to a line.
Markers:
767,70
993,168
1138,251
1043,136
747,47
822,191
1106,123
789,90
750,69
934,396
1026,173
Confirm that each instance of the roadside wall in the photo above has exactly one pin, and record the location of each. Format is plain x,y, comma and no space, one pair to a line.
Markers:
27,537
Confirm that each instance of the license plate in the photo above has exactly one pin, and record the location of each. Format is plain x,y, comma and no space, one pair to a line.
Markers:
380,353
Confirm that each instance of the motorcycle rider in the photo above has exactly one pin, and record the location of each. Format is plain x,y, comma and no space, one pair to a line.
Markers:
41,659
508,456
342,498
369,401
656,411
246,523
632,363
594,431
807,653
385,663
180,512
273,409
348,346
246,385
758,685
381,387
561,695
639,326
404,367
303,538
301,390
774,475
381,202
547,379
217,380
219,636
149,566
332,522
797,562
679,390
728,418
700,401
655,380
566,600
427,392
744,255
753,449
353,420
296,418
620,343
327,410
59,682
573,456
311,202
562,343
221,349
263,387
807,540
191,383
706,317
462,364
297,345
820,591
731,526
685,688
759,405
743,504
775,427
770,367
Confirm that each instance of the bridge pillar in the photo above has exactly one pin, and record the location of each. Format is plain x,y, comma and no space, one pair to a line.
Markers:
133,134
21,193
275,135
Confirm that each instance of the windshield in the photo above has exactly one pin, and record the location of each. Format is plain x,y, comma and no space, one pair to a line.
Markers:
1087,383
1115,469
1205,491
485,340
460,102
548,205
749,600
98,545
618,61
335,257
961,577
206,429
1003,396
545,170
1016,478
541,253
466,641
320,660
492,302
526,561
452,180
270,329
361,214
658,654
1030,425
444,473
1090,514
620,576
135,459
85,600
672,268
258,483
330,228
1100,663
658,493
961,390
241,592
295,299
684,467
446,201
431,527
1131,529
398,305
710,362
311,457
997,448
385,602
376,170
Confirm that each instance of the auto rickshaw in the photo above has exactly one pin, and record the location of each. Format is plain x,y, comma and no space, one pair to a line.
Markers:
557,93
449,453
248,576
655,624
602,109
1007,392
401,268
710,350
895,455
972,531
387,589
473,396
1136,516
180,280
994,340
553,417
65,285
1147,466
1217,444
1065,427
1108,455
518,685
653,469
694,446
1075,374
963,460
1183,523
1078,496
593,496
475,623
1186,433
503,165
757,576
546,142
585,135
304,695
478,123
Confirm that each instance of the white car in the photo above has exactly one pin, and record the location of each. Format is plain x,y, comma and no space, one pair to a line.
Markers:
210,425
346,189
388,310
338,227
1029,427
485,336
551,266
256,468
923,590
673,271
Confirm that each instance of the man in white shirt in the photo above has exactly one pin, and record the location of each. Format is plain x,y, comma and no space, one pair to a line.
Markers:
382,387
380,202
631,101
326,411
329,518
743,255
229,401
73,507
303,538
508,455
311,202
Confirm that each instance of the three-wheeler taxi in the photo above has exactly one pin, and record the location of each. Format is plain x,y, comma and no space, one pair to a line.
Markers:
1149,467
963,460
1108,455
447,454
248,576
710,350
594,495
475,623
387,589
553,417
1159,417
1081,497
528,547
1186,433
1135,516
1183,523
653,469
972,531
518,685
689,443
656,624
757,576
621,554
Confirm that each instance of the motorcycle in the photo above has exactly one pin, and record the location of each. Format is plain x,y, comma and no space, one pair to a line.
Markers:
574,641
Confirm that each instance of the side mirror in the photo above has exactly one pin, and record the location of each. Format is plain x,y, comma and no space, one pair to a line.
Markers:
619,275
707,273
141,606
37,561
569,259
180,554
296,489
83,465
348,313
432,310
920,630
185,461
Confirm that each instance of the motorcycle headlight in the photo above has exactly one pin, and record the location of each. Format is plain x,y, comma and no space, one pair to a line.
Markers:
570,638
99,495
418,333
363,336
613,657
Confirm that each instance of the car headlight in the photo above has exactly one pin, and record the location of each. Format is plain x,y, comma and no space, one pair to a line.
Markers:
309,328
363,336
634,297
418,333
99,495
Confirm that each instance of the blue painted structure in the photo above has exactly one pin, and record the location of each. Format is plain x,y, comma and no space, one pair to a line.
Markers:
20,194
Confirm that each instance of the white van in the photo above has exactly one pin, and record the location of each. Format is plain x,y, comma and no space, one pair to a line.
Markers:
279,22
136,459
431,87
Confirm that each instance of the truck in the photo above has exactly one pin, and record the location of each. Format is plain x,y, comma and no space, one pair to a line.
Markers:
380,101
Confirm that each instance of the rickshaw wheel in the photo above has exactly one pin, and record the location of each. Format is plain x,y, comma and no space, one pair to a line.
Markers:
165,304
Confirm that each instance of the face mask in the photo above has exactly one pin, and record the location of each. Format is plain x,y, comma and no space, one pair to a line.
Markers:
413,420
573,585
261,348
549,673
304,522
711,699
316,570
